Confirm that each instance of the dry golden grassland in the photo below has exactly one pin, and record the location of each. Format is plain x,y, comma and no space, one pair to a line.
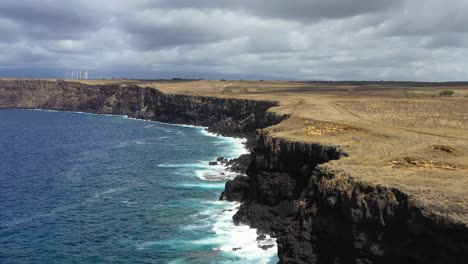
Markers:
444,116
401,137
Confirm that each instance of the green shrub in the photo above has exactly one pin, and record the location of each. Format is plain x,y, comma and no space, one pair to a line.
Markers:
446,93
227,89
407,94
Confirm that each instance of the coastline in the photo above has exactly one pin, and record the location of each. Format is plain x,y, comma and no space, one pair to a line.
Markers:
242,240
317,214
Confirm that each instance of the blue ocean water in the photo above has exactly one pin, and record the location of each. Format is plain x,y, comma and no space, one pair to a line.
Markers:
83,188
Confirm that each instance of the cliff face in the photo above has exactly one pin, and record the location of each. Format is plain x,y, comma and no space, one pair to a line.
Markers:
230,117
317,215
320,217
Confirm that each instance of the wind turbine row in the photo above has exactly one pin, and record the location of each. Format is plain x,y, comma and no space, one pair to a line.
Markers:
77,75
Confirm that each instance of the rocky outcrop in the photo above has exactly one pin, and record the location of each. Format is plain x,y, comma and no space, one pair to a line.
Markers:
239,164
316,215
236,189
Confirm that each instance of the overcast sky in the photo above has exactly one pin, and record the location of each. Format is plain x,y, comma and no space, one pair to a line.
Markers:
424,40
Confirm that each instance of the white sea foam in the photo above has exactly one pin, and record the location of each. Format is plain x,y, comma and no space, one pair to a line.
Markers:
129,203
123,116
151,140
205,185
237,244
215,174
202,165
107,192
234,146
75,112
239,241
196,226
163,123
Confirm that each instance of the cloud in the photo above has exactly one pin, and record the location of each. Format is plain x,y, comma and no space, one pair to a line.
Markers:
430,17
303,39
51,18
299,10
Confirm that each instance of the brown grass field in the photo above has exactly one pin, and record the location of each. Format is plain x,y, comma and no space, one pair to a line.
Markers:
399,135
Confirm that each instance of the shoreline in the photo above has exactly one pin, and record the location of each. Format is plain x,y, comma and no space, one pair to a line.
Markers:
230,209
318,213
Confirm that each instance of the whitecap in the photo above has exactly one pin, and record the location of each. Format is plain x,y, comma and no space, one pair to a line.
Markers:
128,202
107,192
241,241
196,227
219,186
185,165
211,175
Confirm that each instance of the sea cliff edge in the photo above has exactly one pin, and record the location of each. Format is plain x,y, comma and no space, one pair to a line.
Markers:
287,193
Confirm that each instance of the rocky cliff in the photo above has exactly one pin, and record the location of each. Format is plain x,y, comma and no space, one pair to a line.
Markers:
320,216
317,215
230,117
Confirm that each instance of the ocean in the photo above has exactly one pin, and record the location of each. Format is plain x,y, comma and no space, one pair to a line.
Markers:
84,188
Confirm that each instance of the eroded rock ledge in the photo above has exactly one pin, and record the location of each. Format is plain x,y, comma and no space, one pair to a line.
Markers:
317,216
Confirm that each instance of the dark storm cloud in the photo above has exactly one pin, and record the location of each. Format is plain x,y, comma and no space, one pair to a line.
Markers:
49,19
300,10
301,39
149,34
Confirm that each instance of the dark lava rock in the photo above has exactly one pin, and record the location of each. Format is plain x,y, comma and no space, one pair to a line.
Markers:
213,163
222,160
235,190
261,237
265,219
270,188
294,244
265,247
239,164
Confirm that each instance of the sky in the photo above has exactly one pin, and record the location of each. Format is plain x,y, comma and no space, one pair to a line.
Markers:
413,40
